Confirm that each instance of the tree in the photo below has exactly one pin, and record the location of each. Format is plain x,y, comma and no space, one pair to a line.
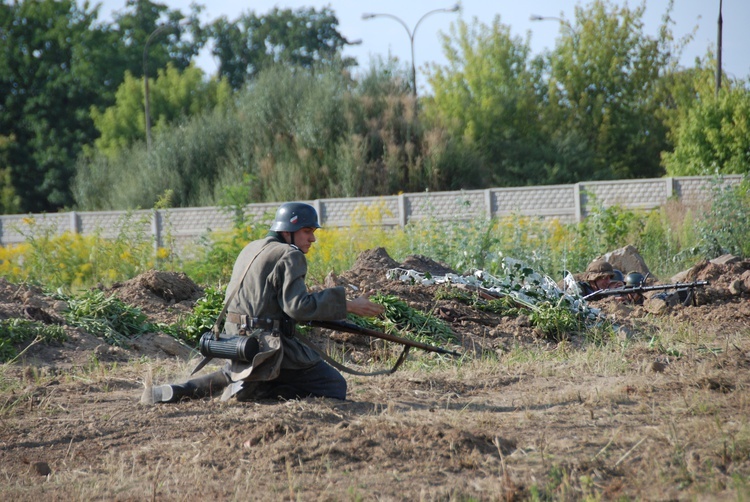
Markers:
47,83
9,201
301,38
56,63
177,46
173,95
714,136
486,95
709,135
603,78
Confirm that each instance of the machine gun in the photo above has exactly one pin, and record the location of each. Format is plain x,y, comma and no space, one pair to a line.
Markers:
597,295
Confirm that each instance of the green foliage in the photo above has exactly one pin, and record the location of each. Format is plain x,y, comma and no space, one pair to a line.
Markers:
14,332
46,84
205,312
56,63
73,260
609,228
107,317
663,239
173,96
9,201
724,229
187,160
714,135
401,319
292,135
172,37
486,96
602,89
217,252
555,322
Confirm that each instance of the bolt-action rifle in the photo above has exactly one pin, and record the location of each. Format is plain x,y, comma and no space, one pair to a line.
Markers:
349,327
597,295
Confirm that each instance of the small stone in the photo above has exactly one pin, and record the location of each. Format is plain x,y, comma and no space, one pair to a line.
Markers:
658,367
41,468
736,287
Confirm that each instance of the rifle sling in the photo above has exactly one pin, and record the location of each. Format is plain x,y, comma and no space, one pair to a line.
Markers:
302,338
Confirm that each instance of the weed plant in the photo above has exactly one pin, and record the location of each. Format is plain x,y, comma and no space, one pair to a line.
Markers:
107,317
400,319
202,319
14,332
77,261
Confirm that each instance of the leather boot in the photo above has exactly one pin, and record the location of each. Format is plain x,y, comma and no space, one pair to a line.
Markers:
206,386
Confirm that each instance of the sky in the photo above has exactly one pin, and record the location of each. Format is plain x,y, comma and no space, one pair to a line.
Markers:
384,36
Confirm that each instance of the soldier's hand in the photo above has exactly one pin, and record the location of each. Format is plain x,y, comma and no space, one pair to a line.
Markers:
362,306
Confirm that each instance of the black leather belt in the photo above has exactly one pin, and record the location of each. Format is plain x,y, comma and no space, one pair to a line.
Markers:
285,326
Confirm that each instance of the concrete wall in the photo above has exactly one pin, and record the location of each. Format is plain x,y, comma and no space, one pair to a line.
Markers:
567,203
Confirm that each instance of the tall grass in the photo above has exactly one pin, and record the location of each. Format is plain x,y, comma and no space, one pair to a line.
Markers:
670,238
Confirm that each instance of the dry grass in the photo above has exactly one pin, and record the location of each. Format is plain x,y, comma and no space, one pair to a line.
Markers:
541,422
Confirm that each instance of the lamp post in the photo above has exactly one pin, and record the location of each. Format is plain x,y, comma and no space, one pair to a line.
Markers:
147,110
411,34
718,53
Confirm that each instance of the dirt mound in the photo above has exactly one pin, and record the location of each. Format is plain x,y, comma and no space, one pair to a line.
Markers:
426,265
163,296
727,278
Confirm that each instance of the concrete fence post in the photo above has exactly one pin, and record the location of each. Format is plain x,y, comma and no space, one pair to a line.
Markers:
401,210
578,202
75,226
156,229
488,203
318,209
670,187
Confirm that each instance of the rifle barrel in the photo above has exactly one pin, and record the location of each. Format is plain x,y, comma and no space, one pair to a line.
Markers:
641,289
353,328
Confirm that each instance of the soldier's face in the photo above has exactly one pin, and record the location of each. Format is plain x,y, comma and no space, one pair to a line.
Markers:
602,282
303,238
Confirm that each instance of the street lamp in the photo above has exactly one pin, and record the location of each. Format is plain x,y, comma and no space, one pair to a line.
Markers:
718,53
411,34
536,17
154,33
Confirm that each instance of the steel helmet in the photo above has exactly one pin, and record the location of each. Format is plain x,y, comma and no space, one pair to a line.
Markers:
617,277
634,279
291,216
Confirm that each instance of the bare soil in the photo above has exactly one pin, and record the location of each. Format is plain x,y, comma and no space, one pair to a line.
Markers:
662,416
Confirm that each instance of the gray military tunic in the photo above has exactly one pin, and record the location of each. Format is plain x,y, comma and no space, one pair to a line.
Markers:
274,285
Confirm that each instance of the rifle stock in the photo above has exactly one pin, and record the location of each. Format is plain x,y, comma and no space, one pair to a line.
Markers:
353,328
596,295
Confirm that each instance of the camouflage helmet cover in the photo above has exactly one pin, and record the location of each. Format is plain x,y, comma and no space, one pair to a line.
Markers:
598,269
292,216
